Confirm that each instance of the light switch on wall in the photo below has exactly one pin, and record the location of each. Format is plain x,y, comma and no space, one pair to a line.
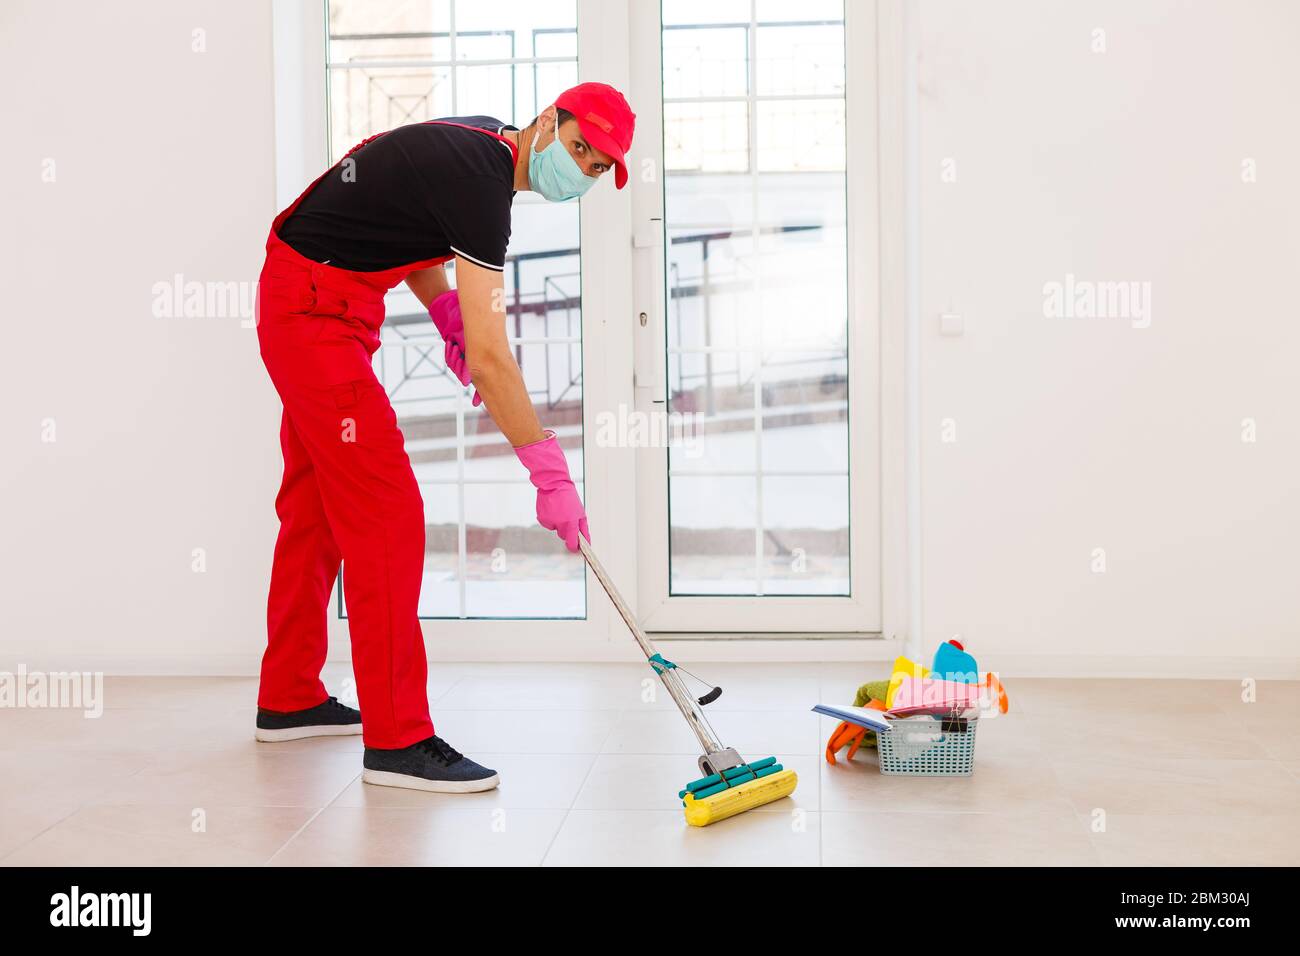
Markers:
950,323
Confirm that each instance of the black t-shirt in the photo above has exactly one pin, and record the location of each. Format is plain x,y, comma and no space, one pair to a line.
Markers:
416,192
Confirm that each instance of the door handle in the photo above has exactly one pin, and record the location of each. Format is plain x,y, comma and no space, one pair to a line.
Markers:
648,367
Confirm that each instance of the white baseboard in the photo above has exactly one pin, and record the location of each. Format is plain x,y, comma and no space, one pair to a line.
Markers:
524,651
1173,667
1082,666
214,665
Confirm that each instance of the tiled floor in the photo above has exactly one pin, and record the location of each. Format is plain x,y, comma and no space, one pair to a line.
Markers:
1079,773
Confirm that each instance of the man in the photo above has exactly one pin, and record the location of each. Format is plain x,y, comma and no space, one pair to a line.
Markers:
395,209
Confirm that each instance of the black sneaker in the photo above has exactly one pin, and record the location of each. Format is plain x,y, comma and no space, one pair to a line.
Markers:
330,719
428,765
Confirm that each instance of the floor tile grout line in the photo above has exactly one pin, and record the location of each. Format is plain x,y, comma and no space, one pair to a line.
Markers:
319,810
821,829
44,830
931,811
433,702
1264,746
550,844
81,805
293,836
613,726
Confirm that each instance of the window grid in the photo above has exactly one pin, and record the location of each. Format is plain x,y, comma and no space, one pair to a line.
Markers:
752,96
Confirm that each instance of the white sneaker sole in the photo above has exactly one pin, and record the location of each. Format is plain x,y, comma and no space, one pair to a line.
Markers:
298,733
386,778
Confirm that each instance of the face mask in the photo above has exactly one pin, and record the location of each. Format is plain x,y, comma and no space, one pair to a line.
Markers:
555,174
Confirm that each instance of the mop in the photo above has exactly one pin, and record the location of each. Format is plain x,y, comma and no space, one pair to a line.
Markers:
729,785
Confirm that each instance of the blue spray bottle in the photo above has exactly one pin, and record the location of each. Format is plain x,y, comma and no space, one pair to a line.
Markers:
951,662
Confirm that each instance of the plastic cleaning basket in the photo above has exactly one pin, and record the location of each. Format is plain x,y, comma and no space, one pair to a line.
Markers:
929,747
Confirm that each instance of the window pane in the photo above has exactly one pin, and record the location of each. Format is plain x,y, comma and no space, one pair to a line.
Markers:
555,42
720,429
806,535
705,61
522,17
677,12
801,60
710,263
713,536
801,136
440,587
488,91
705,137
353,49
379,20
802,258
779,11
369,100
514,567
805,411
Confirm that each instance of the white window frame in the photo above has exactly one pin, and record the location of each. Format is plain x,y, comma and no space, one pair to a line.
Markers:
870,611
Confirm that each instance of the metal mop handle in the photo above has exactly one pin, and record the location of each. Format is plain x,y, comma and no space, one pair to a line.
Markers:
668,676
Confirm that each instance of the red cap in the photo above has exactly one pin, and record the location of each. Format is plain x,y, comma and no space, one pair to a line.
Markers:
605,119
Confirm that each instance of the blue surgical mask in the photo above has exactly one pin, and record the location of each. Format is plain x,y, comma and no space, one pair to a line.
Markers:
555,174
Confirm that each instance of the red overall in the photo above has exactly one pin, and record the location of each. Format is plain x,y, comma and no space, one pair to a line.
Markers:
348,493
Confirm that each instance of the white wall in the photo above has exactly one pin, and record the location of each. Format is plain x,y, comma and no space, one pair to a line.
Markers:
1088,433
166,428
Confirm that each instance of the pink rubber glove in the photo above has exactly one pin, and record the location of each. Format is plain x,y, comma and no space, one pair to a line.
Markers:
559,508
445,312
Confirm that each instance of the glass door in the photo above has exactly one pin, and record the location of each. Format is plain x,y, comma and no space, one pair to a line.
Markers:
759,348
394,62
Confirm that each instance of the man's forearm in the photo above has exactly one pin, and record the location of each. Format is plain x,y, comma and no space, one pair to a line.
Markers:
501,385
492,366
428,284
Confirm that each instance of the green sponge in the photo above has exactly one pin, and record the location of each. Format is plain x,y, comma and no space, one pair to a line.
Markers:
871,690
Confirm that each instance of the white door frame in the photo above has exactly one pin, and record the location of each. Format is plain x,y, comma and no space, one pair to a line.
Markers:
302,153
861,613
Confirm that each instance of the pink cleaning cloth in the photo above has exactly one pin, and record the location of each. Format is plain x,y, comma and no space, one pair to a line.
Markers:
925,696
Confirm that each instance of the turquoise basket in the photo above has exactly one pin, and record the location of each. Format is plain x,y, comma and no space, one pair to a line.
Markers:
929,747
